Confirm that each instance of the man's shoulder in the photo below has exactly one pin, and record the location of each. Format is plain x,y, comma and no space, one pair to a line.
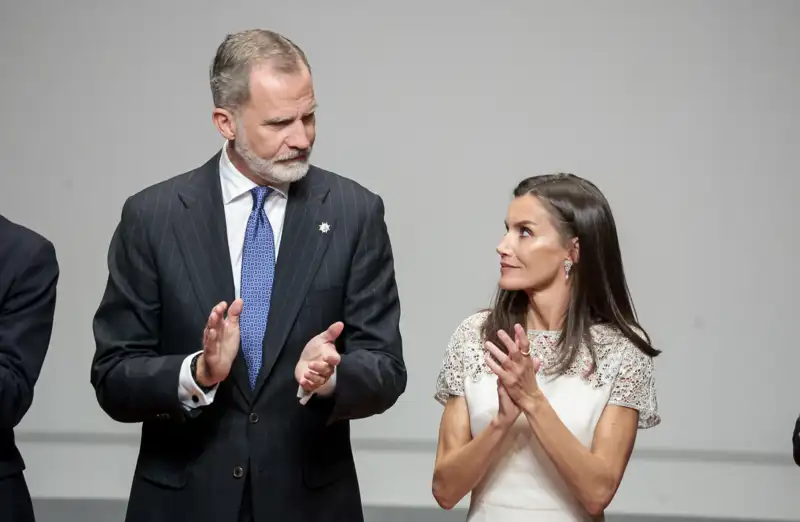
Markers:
21,236
348,196
160,195
22,242
348,187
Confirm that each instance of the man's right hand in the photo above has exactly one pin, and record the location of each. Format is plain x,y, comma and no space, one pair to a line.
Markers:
220,344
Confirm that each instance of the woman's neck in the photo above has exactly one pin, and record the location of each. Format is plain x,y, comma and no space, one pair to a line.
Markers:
548,308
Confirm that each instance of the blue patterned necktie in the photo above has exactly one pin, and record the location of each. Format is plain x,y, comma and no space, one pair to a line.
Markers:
258,273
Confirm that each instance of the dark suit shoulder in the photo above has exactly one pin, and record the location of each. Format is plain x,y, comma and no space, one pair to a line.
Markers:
157,198
335,180
19,243
147,196
347,192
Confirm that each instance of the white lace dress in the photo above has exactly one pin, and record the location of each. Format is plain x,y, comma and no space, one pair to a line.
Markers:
524,484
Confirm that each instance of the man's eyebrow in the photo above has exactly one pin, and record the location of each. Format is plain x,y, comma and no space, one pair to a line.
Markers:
283,119
278,119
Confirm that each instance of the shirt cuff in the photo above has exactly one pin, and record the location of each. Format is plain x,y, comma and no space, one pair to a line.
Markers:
324,390
189,392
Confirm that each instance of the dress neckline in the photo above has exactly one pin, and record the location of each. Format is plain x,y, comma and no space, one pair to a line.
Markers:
543,332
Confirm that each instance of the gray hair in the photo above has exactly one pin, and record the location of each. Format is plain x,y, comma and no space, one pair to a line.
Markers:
239,53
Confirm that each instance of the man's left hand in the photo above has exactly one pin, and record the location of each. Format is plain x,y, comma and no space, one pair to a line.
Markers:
319,358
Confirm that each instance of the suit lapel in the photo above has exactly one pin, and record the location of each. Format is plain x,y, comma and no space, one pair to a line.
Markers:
203,241
305,240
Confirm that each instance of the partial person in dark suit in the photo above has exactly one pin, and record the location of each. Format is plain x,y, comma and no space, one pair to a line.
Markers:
251,312
796,441
28,278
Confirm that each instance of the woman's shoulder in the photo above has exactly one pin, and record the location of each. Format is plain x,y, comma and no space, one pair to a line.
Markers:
618,355
463,357
468,336
609,339
629,370
473,323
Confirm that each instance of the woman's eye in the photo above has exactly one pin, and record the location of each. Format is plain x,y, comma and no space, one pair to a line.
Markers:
524,232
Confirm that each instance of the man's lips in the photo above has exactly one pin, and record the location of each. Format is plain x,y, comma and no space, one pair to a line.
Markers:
299,157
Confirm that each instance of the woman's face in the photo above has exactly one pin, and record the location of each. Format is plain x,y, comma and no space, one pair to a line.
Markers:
532,253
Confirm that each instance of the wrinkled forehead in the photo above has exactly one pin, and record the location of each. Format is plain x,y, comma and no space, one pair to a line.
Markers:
281,94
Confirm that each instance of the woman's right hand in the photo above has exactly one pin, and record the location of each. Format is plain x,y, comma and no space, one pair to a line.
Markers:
507,412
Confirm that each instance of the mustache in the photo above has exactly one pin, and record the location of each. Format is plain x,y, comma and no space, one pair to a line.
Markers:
293,155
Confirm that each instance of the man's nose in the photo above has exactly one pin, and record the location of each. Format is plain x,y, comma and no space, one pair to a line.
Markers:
298,138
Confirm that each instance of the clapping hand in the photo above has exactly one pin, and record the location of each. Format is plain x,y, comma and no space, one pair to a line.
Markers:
515,370
507,412
220,343
319,358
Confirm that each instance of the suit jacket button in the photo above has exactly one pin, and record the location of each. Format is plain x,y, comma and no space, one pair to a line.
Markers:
238,472
253,418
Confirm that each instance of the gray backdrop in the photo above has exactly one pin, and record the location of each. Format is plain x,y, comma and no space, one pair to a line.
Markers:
684,113
54,510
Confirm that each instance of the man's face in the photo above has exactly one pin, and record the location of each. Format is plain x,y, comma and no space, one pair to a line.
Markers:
275,130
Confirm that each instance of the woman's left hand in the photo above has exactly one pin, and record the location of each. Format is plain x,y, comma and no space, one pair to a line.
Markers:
516,370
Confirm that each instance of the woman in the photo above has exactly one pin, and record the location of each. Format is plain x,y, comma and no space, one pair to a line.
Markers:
544,393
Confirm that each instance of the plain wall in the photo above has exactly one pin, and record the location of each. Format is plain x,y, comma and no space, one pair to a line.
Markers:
685,113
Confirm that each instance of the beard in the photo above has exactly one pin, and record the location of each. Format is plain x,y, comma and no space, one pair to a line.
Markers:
280,169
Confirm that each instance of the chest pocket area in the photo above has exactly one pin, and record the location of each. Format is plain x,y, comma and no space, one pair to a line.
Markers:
322,307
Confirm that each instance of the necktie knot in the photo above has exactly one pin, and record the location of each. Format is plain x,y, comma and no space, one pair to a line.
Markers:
259,195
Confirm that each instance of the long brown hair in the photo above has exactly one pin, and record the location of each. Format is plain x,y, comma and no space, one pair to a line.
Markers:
599,291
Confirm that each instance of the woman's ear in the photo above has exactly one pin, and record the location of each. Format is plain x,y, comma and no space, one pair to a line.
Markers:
574,251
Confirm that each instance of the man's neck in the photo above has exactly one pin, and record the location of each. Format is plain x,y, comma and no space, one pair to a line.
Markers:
241,165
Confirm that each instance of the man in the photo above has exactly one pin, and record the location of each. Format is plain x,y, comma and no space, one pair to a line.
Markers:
28,278
250,312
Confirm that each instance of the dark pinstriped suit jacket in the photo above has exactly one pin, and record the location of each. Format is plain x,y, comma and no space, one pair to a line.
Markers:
168,266
29,274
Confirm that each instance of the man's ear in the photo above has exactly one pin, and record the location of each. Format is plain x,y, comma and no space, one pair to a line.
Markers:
225,122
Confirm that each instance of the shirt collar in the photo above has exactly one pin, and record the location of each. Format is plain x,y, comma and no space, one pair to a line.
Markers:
235,184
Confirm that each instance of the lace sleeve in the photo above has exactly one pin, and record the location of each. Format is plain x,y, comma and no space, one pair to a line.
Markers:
450,380
635,386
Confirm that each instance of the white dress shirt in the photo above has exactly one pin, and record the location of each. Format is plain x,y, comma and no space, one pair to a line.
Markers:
238,204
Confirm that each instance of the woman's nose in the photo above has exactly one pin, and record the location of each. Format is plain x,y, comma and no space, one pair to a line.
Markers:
502,247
